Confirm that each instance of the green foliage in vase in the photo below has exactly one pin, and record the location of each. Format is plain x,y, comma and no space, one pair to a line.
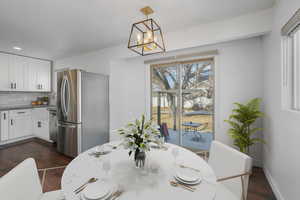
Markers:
139,134
241,121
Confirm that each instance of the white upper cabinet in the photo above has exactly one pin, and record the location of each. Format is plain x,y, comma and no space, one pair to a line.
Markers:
44,74
39,74
32,75
18,73
17,68
4,72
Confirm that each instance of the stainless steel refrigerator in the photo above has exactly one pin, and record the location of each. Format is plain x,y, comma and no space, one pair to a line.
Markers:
82,111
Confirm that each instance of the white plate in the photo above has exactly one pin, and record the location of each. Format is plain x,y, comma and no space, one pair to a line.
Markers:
188,183
97,190
188,175
82,197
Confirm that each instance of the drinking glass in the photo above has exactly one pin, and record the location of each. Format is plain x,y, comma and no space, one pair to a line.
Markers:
161,142
106,167
175,153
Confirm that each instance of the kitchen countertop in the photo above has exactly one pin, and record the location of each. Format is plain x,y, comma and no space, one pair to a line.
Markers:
5,108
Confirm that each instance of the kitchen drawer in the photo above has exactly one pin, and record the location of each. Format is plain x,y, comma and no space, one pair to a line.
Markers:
41,114
20,113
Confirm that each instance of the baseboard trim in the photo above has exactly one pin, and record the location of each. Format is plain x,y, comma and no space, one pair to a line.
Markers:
257,163
23,140
273,184
43,141
16,141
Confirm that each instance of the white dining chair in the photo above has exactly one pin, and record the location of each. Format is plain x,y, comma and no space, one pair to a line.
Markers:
23,182
232,169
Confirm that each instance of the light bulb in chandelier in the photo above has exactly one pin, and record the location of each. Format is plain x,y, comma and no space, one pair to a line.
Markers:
139,39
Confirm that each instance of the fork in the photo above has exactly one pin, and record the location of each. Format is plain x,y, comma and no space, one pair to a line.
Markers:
91,180
116,194
177,184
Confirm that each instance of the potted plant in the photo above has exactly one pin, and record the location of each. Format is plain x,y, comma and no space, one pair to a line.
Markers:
137,138
241,121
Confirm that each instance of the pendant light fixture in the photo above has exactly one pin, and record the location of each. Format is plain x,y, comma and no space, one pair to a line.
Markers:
146,37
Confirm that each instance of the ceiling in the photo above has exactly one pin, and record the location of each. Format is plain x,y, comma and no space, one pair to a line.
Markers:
58,28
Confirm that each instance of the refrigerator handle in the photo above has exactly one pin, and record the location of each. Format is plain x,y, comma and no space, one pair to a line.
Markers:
67,105
62,95
66,126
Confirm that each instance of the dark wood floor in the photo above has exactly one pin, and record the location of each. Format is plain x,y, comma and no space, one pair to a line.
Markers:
47,158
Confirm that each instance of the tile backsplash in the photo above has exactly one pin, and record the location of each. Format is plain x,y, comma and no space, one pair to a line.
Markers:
18,99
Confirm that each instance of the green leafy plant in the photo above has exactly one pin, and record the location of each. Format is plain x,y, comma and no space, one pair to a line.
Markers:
241,121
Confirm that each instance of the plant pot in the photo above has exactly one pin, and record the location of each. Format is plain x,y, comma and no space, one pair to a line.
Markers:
139,158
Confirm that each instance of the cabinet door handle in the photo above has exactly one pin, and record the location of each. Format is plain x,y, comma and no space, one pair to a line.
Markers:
39,124
41,86
11,122
15,86
21,112
11,86
4,116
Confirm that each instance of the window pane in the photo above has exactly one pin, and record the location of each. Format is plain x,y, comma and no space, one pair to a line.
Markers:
295,88
197,119
164,108
164,78
197,75
165,114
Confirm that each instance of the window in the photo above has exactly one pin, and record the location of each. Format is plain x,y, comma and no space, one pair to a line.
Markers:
291,64
183,102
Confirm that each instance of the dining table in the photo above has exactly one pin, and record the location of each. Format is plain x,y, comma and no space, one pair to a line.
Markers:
147,183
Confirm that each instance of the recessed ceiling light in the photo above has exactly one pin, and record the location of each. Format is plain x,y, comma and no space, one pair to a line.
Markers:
17,48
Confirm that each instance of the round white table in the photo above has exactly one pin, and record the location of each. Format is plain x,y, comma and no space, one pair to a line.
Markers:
136,183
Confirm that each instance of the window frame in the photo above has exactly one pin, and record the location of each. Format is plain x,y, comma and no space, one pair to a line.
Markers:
179,64
290,61
291,71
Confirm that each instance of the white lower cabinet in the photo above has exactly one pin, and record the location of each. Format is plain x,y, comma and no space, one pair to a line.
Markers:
40,120
16,124
20,123
41,130
4,126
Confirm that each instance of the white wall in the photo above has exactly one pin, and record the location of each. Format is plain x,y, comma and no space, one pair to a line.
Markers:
129,93
281,128
239,74
244,26
94,62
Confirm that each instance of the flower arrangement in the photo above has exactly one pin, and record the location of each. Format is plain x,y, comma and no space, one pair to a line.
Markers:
138,135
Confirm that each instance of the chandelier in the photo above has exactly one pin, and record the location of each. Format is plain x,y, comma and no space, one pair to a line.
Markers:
146,37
